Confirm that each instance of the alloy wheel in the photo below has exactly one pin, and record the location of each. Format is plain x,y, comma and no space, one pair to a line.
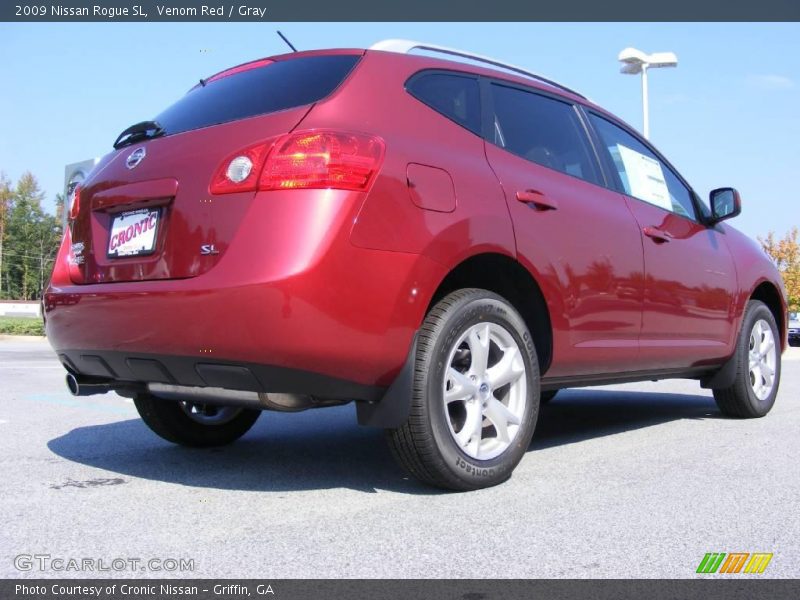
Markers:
762,356
485,390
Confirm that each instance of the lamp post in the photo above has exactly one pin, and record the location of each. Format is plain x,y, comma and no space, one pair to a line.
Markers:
634,62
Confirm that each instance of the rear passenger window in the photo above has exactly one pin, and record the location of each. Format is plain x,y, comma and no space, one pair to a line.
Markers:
457,97
641,174
542,130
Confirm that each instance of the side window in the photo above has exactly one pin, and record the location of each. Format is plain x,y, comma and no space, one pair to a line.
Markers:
641,174
542,130
457,97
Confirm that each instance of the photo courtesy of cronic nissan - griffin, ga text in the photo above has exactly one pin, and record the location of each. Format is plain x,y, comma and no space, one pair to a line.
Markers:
443,244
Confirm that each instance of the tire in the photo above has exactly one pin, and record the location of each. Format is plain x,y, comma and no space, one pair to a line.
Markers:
753,391
545,397
196,425
458,331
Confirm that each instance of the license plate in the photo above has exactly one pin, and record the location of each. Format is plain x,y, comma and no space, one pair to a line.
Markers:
133,233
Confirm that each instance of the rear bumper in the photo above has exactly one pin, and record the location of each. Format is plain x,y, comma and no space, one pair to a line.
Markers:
136,368
299,309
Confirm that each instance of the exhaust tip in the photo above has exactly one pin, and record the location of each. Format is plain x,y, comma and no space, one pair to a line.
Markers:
72,384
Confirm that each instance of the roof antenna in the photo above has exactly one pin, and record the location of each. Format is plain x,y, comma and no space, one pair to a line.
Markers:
288,43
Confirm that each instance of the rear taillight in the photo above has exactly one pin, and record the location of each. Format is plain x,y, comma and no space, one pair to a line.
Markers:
239,172
74,203
322,159
303,160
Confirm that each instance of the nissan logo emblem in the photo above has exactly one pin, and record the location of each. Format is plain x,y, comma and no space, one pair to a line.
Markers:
135,157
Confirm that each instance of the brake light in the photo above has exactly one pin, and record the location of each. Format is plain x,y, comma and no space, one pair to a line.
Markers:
239,69
302,160
74,203
322,159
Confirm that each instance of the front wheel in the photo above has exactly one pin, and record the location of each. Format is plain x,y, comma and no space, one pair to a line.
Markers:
758,366
195,424
475,395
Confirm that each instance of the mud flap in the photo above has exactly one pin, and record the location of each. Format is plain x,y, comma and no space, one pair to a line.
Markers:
392,410
722,378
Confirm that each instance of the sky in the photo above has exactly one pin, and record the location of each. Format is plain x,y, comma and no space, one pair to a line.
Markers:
726,116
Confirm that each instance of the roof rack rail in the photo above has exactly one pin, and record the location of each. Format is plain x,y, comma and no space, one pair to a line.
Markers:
406,46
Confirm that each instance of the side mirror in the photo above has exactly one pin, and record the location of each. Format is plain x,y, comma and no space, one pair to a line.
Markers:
725,204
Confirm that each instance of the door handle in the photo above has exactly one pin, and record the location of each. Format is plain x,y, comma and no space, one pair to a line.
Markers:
538,199
659,236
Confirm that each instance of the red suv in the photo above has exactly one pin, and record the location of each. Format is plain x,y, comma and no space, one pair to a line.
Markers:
445,245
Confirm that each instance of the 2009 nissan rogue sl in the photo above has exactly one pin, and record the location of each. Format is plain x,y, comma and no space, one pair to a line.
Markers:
446,245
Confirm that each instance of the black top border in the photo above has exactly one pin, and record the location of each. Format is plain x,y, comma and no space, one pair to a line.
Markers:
397,10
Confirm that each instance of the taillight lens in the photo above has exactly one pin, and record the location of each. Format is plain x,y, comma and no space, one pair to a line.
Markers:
303,160
74,203
322,159
239,172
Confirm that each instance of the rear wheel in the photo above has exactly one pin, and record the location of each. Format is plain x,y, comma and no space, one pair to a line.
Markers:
195,424
475,395
758,366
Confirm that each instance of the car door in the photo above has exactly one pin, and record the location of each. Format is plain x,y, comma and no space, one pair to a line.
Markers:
690,278
577,236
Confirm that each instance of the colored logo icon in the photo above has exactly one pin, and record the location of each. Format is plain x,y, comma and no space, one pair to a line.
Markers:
735,562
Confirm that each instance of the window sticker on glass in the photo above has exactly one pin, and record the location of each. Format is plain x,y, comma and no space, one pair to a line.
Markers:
645,179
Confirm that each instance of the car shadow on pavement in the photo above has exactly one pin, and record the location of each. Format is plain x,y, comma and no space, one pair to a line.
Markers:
326,449
577,415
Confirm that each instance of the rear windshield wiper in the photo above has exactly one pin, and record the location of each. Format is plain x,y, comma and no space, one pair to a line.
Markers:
140,131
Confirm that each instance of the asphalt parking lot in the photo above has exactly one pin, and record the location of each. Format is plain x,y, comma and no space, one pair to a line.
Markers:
636,480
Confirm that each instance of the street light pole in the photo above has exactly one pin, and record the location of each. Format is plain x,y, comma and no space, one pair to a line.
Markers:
635,62
645,105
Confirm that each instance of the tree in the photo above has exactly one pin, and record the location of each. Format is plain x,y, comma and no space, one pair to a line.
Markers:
60,208
5,203
30,240
785,253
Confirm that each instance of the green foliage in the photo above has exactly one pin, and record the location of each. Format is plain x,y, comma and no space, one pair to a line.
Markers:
59,207
29,239
21,326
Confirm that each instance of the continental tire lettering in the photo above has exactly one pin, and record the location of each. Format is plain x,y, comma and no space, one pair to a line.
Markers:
472,469
526,338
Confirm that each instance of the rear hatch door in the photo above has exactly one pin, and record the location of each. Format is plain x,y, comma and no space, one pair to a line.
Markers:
145,212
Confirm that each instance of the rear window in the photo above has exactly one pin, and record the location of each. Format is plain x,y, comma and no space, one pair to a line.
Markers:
457,97
276,86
